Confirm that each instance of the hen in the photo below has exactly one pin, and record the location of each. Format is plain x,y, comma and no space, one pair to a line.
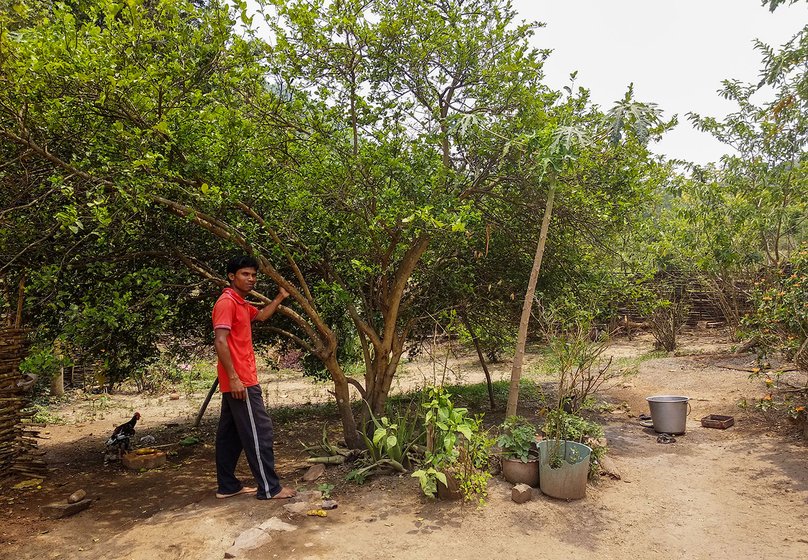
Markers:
121,436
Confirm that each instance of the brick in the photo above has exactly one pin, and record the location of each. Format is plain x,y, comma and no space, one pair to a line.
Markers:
521,493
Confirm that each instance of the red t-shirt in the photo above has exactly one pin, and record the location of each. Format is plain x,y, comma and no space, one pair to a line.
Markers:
233,313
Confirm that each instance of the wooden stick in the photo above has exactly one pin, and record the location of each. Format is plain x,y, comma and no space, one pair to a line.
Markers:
204,406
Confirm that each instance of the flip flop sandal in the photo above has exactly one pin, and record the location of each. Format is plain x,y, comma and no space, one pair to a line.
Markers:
244,490
646,423
665,438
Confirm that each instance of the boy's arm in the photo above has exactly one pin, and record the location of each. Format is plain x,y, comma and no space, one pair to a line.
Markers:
270,309
237,390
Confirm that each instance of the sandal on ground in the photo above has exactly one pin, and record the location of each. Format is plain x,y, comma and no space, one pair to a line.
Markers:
244,490
665,438
645,421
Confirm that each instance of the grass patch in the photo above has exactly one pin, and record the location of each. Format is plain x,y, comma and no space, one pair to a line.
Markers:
44,415
632,362
475,397
314,411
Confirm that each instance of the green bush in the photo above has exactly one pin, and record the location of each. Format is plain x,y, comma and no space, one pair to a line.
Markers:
517,438
780,317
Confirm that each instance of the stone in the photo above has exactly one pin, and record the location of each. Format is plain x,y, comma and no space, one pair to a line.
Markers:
314,472
598,442
328,504
297,508
136,462
608,468
275,524
310,496
76,497
60,509
521,493
248,540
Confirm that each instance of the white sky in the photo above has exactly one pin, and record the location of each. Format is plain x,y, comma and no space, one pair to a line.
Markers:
675,51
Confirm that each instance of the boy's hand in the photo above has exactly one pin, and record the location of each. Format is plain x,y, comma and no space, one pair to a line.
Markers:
237,390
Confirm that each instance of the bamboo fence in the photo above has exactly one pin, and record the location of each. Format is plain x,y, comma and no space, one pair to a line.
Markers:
18,434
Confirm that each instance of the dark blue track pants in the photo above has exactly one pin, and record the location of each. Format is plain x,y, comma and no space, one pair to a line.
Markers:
246,426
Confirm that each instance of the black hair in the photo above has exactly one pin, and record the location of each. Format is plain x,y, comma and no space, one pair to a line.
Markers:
241,261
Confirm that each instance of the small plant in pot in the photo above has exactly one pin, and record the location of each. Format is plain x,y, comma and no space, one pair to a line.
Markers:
519,453
564,463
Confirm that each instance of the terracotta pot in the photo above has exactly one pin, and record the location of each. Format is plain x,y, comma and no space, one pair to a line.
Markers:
516,471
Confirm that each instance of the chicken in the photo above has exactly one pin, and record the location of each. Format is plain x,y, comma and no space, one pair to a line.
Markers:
120,438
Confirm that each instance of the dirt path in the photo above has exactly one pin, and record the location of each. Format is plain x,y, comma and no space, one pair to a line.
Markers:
737,493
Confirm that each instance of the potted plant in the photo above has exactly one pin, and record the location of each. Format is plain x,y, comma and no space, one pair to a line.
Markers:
564,463
564,460
456,460
520,458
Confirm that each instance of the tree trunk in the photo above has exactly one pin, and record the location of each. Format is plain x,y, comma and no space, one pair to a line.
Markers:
476,342
57,385
341,393
521,338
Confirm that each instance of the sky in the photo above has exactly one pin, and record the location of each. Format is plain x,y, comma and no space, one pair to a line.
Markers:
676,52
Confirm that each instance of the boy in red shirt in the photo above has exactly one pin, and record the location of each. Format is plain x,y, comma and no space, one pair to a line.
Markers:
244,424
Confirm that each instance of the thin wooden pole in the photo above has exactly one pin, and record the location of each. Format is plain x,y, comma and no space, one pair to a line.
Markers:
476,342
521,338
20,300
205,404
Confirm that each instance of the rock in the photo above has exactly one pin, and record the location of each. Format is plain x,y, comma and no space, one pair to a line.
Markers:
521,493
593,443
60,509
174,396
328,504
275,524
149,461
608,468
147,440
297,508
314,472
248,540
310,496
76,497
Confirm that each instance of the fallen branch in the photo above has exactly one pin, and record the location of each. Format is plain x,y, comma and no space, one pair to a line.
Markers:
332,460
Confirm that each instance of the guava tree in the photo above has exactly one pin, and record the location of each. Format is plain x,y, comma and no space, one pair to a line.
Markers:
337,149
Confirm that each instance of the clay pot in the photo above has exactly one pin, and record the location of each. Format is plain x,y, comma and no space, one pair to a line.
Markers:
516,471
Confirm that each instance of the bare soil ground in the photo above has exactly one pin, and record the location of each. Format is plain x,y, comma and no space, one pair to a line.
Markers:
736,493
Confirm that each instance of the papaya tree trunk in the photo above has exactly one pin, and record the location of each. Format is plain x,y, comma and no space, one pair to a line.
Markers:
527,306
